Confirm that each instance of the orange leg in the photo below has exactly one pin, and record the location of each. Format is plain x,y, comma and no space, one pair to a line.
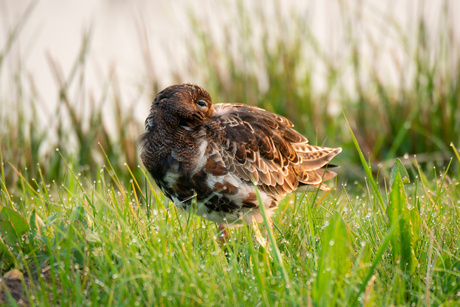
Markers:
223,237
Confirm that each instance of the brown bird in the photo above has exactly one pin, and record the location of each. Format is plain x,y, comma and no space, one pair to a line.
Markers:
220,153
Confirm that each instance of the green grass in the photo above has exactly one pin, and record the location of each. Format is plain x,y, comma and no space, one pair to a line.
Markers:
104,242
88,227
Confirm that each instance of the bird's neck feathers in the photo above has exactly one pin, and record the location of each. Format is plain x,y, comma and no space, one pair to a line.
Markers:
166,126
160,119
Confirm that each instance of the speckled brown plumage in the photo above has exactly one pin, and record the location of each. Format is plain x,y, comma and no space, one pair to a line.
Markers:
216,153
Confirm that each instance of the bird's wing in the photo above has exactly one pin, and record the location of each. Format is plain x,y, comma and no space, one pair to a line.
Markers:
261,146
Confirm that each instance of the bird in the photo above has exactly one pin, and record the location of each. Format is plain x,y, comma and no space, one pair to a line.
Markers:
222,155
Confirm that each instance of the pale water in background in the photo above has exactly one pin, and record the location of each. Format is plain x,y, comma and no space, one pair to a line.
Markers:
56,27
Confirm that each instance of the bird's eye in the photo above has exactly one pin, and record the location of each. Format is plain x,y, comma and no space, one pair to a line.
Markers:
201,103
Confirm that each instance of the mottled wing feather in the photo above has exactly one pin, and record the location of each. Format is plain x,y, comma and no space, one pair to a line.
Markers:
262,146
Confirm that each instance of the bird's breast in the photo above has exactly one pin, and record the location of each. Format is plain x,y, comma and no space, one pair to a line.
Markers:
175,166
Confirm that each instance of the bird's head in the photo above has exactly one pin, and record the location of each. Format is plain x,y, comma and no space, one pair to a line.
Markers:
183,104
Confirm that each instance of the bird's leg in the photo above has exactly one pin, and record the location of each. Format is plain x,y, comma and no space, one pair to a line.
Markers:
257,233
223,235
270,226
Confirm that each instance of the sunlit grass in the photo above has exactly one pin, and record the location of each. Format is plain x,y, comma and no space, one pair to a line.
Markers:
95,243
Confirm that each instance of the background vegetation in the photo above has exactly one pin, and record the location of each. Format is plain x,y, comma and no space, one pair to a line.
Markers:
85,225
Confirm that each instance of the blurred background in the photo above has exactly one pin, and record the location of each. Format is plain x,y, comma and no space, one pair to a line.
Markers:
80,75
